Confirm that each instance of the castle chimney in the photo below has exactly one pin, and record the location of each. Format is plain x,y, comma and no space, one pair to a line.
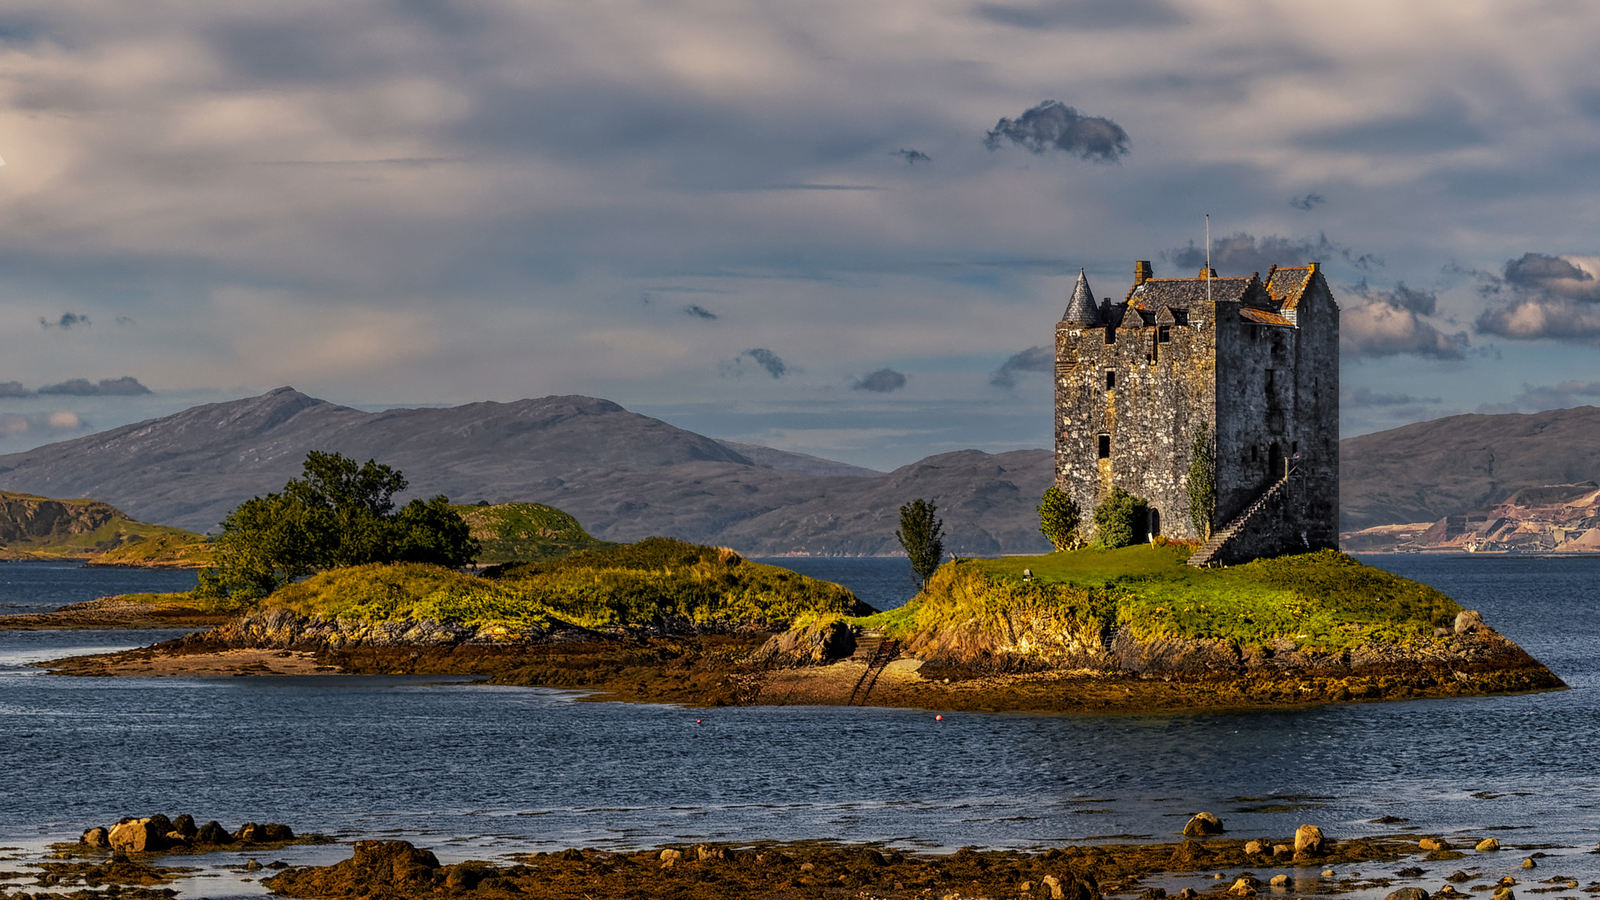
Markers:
1142,272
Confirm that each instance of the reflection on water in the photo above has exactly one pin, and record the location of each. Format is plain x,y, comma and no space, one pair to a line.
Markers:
474,770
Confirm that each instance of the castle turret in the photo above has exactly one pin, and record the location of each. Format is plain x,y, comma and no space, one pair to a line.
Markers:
1081,309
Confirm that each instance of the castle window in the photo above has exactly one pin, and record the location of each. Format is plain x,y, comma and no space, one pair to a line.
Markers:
1105,446
1111,380
1271,379
1111,335
1255,453
1255,332
1180,317
1164,334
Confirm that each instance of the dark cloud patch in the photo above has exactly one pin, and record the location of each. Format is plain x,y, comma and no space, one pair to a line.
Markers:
912,157
699,312
1086,14
125,386
68,320
1442,128
1033,359
1421,302
769,362
1053,125
1367,397
1240,253
125,320
1390,323
1541,296
14,389
1308,202
882,381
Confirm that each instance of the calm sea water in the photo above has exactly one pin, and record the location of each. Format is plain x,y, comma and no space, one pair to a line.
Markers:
477,771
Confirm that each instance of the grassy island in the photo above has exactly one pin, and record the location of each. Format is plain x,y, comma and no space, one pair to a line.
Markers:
1323,601
655,581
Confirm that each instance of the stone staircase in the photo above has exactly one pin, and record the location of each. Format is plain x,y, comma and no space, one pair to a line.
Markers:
876,652
1206,555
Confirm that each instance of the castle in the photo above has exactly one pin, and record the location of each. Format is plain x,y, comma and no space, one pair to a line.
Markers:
1250,367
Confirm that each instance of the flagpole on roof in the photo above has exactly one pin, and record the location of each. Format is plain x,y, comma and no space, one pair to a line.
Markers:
1208,259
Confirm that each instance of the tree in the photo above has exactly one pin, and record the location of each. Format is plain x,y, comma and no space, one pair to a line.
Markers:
337,514
1117,517
921,536
1202,482
1060,519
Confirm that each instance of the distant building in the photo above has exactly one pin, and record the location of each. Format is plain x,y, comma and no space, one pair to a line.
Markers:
1255,363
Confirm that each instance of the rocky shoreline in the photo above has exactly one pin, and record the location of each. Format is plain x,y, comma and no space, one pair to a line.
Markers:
113,613
837,664
124,862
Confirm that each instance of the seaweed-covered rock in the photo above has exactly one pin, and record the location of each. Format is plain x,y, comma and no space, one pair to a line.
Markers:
1203,823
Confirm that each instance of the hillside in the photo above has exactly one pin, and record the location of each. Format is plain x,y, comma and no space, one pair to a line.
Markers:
1463,464
524,531
623,475
34,527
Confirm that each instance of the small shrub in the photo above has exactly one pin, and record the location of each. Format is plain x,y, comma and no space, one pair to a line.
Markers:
1060,520
1117,518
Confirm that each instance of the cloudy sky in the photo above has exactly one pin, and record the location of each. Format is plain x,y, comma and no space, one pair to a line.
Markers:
840,228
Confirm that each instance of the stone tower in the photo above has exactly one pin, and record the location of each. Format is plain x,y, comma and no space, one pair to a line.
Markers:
1251,364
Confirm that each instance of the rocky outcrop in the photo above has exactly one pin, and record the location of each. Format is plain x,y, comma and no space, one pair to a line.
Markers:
159,834
818,643
25,518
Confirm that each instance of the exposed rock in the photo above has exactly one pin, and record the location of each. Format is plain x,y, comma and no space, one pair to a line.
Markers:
1468,621
96,837
1410,893
252,866
671,855
139,835
184,825
1505,893
1529,864
1282,850
819,643
1487,845
1054,884
1433,844
1308,841
1253,848
212,832
1279,880
1203,823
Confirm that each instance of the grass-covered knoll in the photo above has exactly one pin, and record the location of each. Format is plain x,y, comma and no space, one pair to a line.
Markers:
1322,601
525,531
629,585
168,547
34,527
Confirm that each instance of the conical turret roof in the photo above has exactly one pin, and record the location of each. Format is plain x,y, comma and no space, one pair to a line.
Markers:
1081,309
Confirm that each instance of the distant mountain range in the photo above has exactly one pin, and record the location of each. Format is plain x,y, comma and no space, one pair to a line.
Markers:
623,475
626,476
1463,464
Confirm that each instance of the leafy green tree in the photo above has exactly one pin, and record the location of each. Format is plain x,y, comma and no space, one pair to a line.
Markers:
1060,519
1117,518
337,514
921,534
432,532
1202,482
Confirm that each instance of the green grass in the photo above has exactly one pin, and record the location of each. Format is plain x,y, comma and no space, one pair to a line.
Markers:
1323,600
525,531
630,585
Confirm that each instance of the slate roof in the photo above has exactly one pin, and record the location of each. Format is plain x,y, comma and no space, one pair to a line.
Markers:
1287,285
1081,309
1186,293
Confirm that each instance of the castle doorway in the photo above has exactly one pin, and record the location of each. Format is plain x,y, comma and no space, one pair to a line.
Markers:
1155,523
1276,464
